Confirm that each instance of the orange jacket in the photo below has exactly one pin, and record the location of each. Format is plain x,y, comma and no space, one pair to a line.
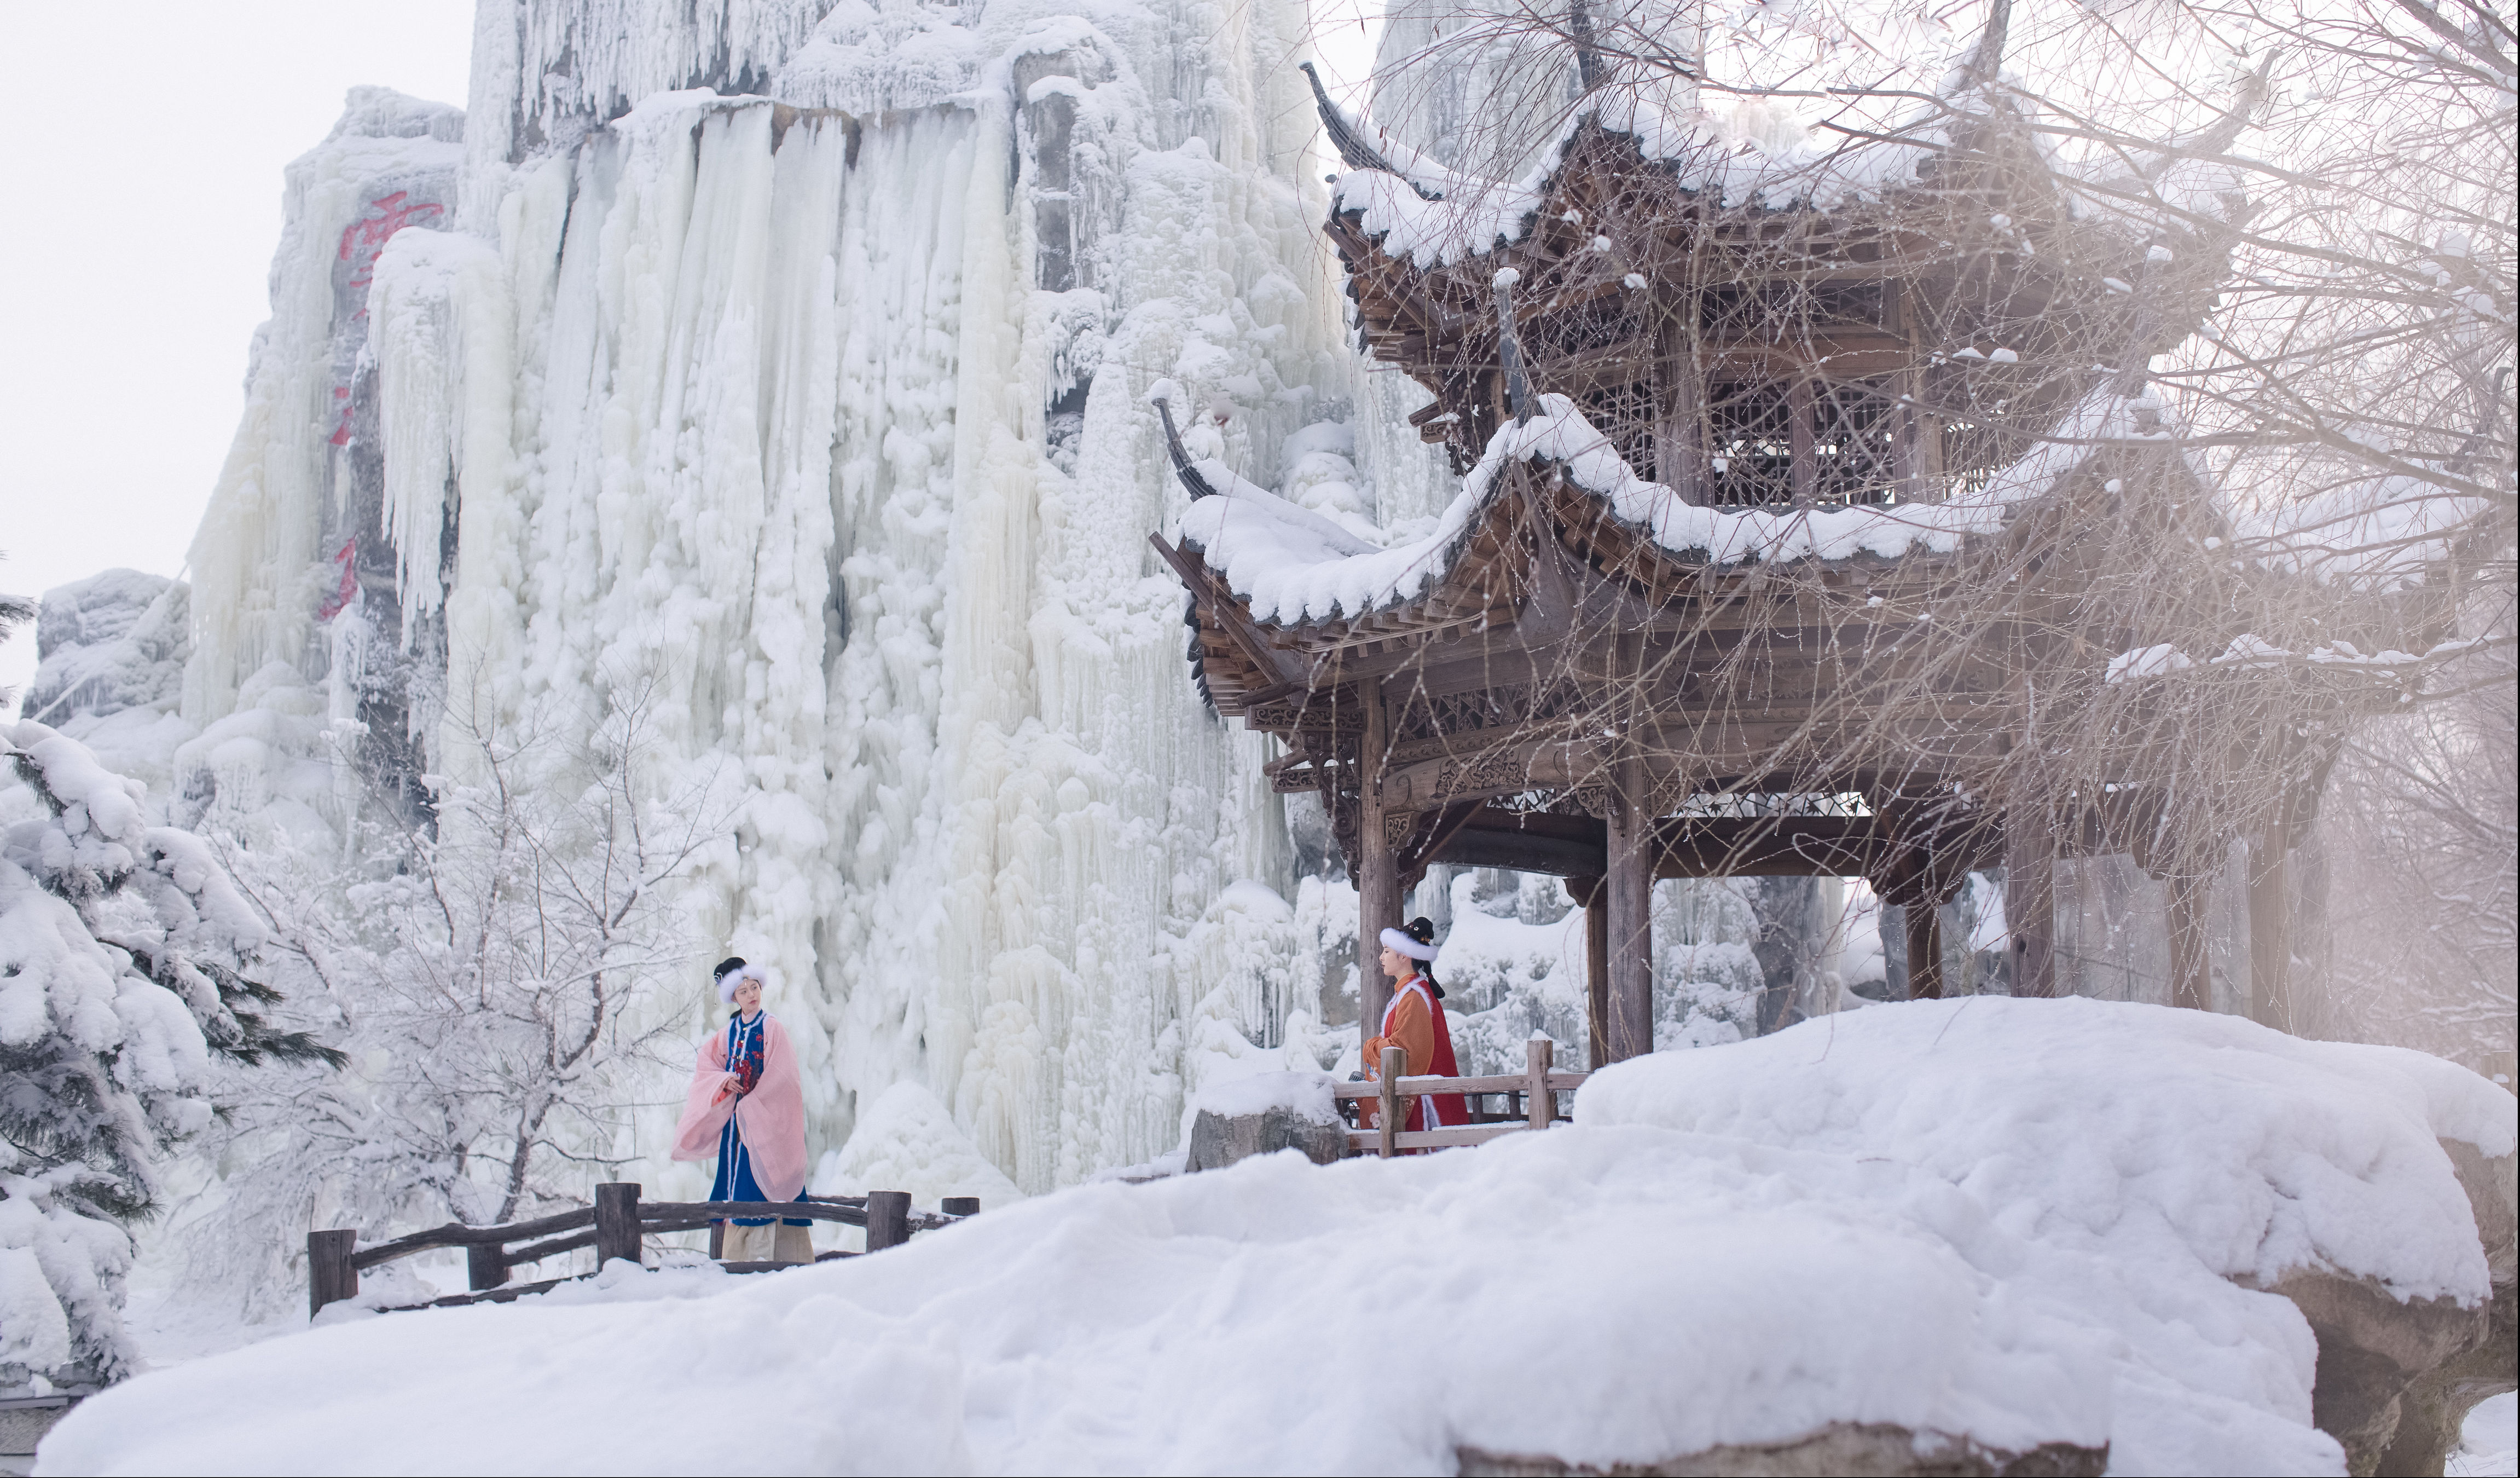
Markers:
1412,1025
1411,1031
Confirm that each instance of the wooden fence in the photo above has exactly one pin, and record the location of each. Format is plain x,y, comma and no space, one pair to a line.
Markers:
1532,1094
616,1226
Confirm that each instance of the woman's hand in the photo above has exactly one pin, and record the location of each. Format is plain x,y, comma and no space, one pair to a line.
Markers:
729,1082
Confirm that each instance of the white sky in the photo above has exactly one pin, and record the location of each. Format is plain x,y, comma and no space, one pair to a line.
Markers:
143,182
143,185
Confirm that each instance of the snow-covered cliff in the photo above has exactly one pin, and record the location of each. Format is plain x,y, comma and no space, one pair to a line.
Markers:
786,370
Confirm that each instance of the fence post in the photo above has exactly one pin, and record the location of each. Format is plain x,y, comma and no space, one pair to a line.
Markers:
330,1276
616,1223
962,1206
1544,1104
485,1265
887,1214
1395,1061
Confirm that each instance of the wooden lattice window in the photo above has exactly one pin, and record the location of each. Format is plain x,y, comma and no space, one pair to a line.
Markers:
1750,449
1830,443
1854,443
1625,414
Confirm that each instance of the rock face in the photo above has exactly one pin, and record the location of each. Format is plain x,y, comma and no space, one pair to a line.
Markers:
1217,1141
1865,1451
109,642
2396,1415
2397,1379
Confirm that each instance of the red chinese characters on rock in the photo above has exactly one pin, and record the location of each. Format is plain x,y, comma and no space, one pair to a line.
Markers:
364,238
346,589
361,241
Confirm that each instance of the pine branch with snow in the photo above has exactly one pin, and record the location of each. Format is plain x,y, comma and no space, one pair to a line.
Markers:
124,994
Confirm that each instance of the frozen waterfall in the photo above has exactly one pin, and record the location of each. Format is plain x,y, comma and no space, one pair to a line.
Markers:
789,369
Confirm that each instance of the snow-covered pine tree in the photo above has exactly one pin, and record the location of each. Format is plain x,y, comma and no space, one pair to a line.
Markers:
122,979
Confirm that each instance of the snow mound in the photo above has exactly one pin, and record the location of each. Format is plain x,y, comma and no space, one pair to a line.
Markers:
2004,1220
2167,1137
1305,1095
907,1141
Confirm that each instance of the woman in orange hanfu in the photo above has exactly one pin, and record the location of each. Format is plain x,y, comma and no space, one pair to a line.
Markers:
1415,1022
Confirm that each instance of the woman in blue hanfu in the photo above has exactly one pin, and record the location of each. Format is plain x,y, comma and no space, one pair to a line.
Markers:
746,1106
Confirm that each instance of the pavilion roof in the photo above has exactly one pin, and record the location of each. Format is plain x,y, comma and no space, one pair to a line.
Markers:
1301,584
1429,213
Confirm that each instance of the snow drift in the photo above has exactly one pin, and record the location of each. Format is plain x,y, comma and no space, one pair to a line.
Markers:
2017,1222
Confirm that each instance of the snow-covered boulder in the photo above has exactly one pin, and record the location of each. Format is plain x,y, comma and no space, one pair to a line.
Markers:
1264,1113
1972,1231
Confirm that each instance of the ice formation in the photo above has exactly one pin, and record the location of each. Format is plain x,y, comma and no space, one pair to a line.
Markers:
788,366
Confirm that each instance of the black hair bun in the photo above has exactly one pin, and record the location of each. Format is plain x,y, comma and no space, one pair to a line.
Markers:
1421,929
730,962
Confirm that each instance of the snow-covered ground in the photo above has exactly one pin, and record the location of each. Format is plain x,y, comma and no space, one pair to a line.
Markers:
2017,1221
2490,1441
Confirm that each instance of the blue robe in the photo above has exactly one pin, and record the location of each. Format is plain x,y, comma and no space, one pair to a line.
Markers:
735,1181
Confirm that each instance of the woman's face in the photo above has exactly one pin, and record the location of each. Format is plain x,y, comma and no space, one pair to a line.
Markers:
1396,965
747,995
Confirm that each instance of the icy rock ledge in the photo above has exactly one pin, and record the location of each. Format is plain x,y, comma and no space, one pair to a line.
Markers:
1263,1114
1851,1450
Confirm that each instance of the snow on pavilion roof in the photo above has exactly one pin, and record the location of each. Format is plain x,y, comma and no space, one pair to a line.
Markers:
1470,216
1434,215
1292,568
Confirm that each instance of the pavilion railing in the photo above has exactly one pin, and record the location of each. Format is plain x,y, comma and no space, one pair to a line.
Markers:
616,1226
1532,1094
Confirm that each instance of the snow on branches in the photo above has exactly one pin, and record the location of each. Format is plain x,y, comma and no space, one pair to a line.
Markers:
123,950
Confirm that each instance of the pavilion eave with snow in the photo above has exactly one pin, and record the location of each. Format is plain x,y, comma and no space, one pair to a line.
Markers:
1866,388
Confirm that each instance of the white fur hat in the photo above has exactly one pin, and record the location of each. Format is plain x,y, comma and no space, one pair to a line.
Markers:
734,973
1393,939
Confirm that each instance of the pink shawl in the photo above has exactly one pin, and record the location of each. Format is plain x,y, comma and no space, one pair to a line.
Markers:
771,1118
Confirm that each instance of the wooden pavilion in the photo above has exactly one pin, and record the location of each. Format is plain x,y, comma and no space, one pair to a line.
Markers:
1866,391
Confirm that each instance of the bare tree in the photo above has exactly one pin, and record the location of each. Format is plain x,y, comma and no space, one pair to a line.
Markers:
489,969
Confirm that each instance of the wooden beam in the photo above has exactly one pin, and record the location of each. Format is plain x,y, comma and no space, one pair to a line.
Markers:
1805,439
1377,863
1784,847
1630,911
1519,851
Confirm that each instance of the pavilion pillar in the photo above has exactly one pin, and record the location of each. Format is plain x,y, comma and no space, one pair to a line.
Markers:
2030,897
1679,453
1916,453
1629,919
2191,981
2270,928
1925,920
1377,870
1801,409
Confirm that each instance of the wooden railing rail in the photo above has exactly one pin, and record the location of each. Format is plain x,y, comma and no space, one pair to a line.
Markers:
1536,1085
616,1226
